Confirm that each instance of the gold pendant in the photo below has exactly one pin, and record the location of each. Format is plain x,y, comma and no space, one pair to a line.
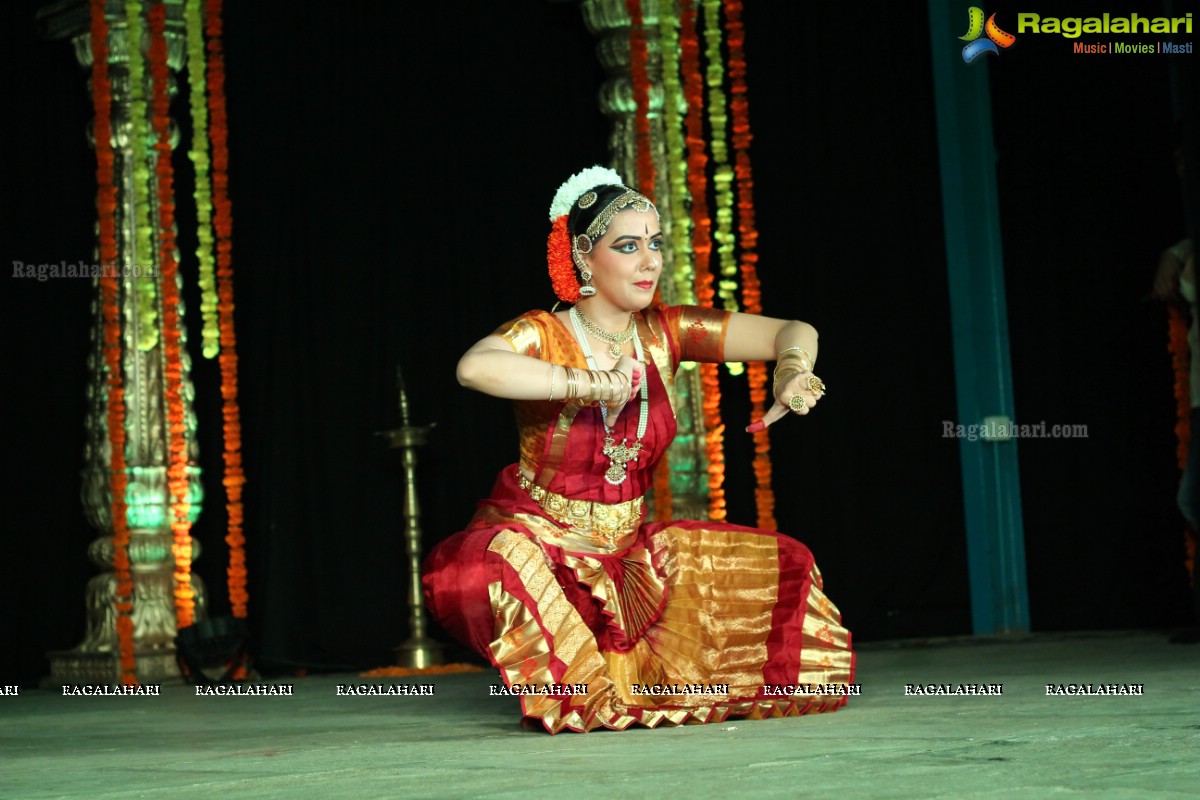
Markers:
614,350
619,456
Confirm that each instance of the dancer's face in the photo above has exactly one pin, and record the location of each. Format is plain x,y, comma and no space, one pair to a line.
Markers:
627,261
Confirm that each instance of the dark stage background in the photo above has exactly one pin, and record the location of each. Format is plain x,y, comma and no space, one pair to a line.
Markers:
391,167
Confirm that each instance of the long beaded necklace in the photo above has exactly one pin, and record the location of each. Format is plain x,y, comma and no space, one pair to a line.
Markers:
619,455
615,340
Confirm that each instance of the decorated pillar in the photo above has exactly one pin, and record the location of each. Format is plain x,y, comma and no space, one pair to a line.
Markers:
610,22
152,560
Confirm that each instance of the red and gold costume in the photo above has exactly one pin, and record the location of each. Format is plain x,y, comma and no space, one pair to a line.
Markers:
558,581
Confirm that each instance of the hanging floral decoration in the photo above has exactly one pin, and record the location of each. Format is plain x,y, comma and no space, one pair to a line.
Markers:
559,263
756,371
210,335
106,207
177,450
234,478
682,273
145,287
718,121
640,79
150,125
697,161
1177,346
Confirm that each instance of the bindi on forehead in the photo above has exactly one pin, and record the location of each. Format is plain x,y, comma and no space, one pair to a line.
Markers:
626,224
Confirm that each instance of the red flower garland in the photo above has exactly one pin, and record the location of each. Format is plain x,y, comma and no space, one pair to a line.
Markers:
1177,345
735,37
640,80
177,453
559,263
693,89
234,478
106,206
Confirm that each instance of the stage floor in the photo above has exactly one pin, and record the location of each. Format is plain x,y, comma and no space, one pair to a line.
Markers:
462,743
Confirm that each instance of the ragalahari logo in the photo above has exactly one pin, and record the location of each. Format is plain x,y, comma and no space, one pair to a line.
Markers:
976,27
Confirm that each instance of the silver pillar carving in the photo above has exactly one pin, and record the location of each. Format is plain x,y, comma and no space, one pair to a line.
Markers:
609,22
95,659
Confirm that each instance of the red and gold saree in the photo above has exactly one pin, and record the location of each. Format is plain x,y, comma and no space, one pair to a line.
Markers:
609,620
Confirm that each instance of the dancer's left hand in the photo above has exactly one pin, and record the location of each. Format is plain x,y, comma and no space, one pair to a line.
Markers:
797,395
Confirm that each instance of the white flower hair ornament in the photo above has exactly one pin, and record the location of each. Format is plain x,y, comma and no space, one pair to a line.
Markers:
574,187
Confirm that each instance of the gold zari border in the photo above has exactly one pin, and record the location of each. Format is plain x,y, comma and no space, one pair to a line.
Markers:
529,639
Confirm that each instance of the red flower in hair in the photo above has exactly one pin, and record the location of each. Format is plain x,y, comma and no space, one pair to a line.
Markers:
558,260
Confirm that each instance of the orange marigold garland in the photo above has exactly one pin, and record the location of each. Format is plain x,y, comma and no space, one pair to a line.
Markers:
559,263
106,206
437,669
177,451
640,80
756,371
693,90
234,478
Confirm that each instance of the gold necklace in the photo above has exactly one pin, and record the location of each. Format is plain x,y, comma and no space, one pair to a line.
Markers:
616,340
619,455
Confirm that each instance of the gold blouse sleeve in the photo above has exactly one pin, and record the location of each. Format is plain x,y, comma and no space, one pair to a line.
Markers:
523,335
701,333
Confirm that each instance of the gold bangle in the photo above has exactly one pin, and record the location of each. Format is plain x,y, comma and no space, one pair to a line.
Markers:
551,399
805,357
572,388
784,377
618,386
804,363
803,352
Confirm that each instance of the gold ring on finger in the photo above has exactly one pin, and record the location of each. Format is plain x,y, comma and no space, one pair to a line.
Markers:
816,385
797,403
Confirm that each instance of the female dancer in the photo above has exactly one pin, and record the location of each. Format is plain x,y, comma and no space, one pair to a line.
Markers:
593,616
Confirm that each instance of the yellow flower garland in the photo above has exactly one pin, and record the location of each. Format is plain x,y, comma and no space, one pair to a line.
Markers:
683,273
718,121
210,337
146,285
